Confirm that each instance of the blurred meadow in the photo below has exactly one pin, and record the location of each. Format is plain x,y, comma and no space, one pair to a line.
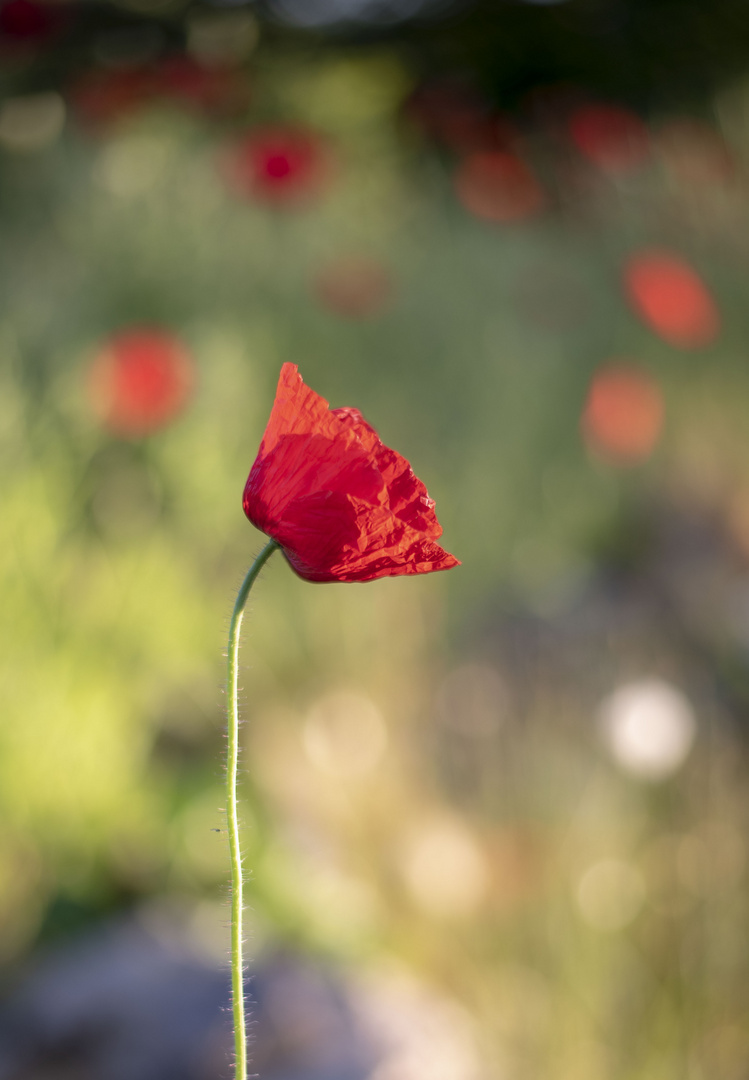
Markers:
495,820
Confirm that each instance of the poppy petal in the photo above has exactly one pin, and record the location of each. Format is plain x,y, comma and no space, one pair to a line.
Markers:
342,505
408,497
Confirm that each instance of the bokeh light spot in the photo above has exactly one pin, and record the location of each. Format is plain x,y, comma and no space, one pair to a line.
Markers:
671,298
498,186
623,414
140,381
344,734
612,138
133,165
445,870
31,122
417,1032
649,727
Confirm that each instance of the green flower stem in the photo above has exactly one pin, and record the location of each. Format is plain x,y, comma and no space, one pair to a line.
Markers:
232,756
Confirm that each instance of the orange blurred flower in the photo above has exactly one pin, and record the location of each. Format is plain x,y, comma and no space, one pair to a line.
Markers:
671,298
623,414
498,186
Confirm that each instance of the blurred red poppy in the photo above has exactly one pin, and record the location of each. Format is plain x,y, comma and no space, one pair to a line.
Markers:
212,89
281,165
671,298
140,381
623,414
613,138
23,21
454,114
354,287
104,97
341,504
498,186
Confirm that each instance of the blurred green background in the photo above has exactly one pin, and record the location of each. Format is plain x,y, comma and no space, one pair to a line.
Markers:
515,237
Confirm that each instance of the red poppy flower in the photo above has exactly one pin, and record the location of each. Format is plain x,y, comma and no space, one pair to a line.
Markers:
284,166
671,298
453,113
25,20
140,381
341,504
623,414
613,138
101,98
207,89
498,186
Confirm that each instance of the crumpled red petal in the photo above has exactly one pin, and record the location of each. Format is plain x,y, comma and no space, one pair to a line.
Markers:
342,505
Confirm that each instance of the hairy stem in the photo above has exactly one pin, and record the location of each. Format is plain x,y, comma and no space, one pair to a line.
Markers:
235,852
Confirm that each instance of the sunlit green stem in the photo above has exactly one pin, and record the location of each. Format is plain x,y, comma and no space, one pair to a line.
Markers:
232,755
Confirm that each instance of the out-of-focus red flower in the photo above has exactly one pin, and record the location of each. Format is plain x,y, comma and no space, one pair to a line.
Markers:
454,114
104,97
354,287
614,139
341,504
281,165
140,381
498,186
671,298
623,414
207,89
23,21
101,97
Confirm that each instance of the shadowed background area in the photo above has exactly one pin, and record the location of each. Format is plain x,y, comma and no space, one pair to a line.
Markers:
495,819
